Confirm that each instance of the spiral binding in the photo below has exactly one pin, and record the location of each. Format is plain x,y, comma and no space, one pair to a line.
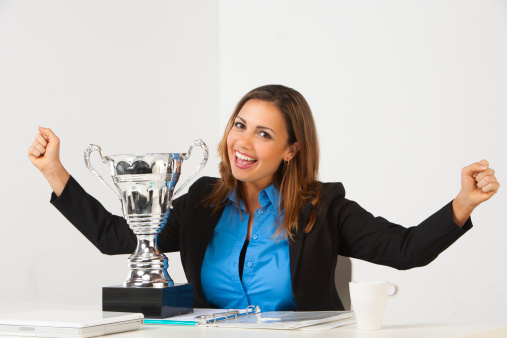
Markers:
212,318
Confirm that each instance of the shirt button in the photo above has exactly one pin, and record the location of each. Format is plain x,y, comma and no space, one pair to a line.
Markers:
249,264
260,212
255,237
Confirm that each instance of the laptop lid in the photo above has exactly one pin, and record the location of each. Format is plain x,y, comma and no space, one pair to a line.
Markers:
60,323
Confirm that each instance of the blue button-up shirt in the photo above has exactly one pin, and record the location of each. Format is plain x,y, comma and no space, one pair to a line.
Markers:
266,273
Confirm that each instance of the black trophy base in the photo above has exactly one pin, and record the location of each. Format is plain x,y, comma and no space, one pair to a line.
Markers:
152,302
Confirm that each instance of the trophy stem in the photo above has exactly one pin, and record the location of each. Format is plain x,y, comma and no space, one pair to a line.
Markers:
147,265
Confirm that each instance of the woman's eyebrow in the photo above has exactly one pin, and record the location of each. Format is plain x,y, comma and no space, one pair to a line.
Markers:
261,127
258,127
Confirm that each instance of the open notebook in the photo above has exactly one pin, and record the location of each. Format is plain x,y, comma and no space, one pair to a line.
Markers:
253,318
286,320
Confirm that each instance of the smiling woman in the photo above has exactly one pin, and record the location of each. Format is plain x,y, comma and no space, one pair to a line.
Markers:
267,232
257,143
266,126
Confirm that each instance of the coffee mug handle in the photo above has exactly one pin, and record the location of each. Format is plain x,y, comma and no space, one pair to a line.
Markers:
186,156
396,290
88,163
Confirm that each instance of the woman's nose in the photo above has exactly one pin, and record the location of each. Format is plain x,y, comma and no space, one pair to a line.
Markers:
245,141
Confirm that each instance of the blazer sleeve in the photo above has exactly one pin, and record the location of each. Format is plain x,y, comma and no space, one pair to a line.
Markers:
109,233
376,240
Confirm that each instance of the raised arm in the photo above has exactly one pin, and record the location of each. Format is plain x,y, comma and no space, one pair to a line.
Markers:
109,233
374,239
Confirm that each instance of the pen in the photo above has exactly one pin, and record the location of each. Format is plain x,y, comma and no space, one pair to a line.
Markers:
169,322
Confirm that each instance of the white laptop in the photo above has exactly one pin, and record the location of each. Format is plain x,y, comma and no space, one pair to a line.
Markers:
68,323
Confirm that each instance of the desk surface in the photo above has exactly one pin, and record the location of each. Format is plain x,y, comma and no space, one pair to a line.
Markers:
404,330
390,329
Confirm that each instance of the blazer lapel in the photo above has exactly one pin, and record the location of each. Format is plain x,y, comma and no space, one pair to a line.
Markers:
296,246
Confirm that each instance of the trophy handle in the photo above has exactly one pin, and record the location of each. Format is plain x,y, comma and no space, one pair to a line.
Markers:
88,163
186,156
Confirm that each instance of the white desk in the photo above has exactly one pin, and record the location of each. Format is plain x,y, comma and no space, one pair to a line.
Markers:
406,330
389,330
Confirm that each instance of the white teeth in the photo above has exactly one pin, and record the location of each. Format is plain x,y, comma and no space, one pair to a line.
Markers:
244,157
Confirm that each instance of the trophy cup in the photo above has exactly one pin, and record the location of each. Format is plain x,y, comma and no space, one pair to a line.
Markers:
145,186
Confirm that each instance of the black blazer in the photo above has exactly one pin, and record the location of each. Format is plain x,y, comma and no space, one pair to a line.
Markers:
342,228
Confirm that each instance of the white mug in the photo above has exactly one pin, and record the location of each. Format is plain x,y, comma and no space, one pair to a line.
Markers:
369,301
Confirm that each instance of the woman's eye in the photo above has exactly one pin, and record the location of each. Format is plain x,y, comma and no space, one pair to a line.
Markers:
264,135
239,125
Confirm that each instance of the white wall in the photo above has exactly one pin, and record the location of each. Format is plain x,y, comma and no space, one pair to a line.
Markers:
405,94
130,76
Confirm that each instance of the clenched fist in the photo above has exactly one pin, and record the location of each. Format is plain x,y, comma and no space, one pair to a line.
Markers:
478,184
45,156
45,150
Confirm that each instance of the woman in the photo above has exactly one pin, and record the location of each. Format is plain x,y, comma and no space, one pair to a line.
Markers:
267,232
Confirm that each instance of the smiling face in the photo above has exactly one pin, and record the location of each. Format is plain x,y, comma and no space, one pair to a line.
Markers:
257,143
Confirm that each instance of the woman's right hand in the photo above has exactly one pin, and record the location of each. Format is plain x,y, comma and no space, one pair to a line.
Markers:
45,156
45,151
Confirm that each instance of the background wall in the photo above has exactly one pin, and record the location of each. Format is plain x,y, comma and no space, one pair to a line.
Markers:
129,76
404,94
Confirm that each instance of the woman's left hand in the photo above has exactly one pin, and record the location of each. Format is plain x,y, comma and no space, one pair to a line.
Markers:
478,184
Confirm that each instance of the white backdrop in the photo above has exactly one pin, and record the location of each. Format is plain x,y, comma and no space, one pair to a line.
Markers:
129,76
404,94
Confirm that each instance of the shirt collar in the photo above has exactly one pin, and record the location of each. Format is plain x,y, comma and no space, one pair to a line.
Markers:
266,196
232,198
269,195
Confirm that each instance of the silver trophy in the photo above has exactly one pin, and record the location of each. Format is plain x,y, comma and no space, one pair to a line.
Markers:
145,186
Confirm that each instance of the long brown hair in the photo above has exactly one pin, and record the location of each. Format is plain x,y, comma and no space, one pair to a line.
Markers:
297,179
